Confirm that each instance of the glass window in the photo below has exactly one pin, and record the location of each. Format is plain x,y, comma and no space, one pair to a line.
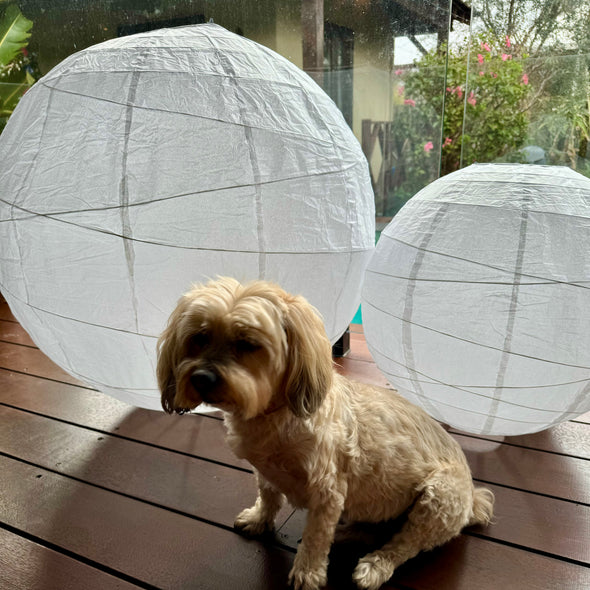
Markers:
428,86
527,85
339,67
361,52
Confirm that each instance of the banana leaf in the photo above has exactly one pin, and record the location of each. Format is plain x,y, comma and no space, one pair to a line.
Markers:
11,92
14,34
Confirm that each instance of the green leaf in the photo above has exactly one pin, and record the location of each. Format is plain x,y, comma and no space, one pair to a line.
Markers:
10,94
14,34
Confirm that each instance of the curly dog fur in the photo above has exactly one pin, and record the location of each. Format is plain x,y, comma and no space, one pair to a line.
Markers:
329,445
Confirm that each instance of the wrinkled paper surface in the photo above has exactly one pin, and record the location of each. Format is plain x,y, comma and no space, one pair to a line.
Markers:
147,163
476,304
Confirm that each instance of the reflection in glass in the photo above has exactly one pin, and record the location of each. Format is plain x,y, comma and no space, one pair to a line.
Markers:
428,86
353,49
537,56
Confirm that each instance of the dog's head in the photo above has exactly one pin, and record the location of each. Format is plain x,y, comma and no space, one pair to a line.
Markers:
246,349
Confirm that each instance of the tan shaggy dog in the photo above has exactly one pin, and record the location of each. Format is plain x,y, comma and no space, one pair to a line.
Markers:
332,446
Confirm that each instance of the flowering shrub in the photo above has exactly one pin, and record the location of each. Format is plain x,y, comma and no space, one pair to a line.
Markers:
484,112
494,121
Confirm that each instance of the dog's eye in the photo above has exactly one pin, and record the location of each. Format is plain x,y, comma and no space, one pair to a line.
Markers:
199,340
244,346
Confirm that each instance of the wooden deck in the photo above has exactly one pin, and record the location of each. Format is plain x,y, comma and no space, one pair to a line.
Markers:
96,494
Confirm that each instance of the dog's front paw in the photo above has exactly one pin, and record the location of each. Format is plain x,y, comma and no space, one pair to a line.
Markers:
302,579
372,571
251,522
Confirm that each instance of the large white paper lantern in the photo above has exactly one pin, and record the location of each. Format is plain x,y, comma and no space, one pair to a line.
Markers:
476,304
141,165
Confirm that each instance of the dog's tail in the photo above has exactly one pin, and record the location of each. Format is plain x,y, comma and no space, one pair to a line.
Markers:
483,507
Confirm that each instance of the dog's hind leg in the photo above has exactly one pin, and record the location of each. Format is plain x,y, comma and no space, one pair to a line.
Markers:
260,518
442,508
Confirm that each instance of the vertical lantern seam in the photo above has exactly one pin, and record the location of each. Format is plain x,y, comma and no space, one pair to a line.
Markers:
126,230
14,203
409,309
511,320
230,71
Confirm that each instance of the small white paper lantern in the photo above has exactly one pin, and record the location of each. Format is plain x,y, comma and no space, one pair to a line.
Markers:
476,304
141,165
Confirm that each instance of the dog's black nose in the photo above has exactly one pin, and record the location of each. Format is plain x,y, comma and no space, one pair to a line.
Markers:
204,381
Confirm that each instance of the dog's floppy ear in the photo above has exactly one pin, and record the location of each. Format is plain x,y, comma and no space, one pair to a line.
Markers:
309,370
167,358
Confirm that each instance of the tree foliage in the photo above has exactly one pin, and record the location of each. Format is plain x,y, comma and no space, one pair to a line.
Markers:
536,25
556,35
521,80
457,108
16,74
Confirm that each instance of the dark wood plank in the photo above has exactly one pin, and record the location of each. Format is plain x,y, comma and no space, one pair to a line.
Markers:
198,489
173,480
359,370
543,524
148,543
193,434
111,528
466,563
359,349
568,438
527,520
5,313
469,563
25,565
12,332
31,360
217,494
526,469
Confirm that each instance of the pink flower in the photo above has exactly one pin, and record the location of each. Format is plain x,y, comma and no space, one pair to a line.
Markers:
398,72
457,90
525,79
428,146
481,73
448,141
485,46
400,90
472,100
480,58
505,56
508,44
411,102
493,75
